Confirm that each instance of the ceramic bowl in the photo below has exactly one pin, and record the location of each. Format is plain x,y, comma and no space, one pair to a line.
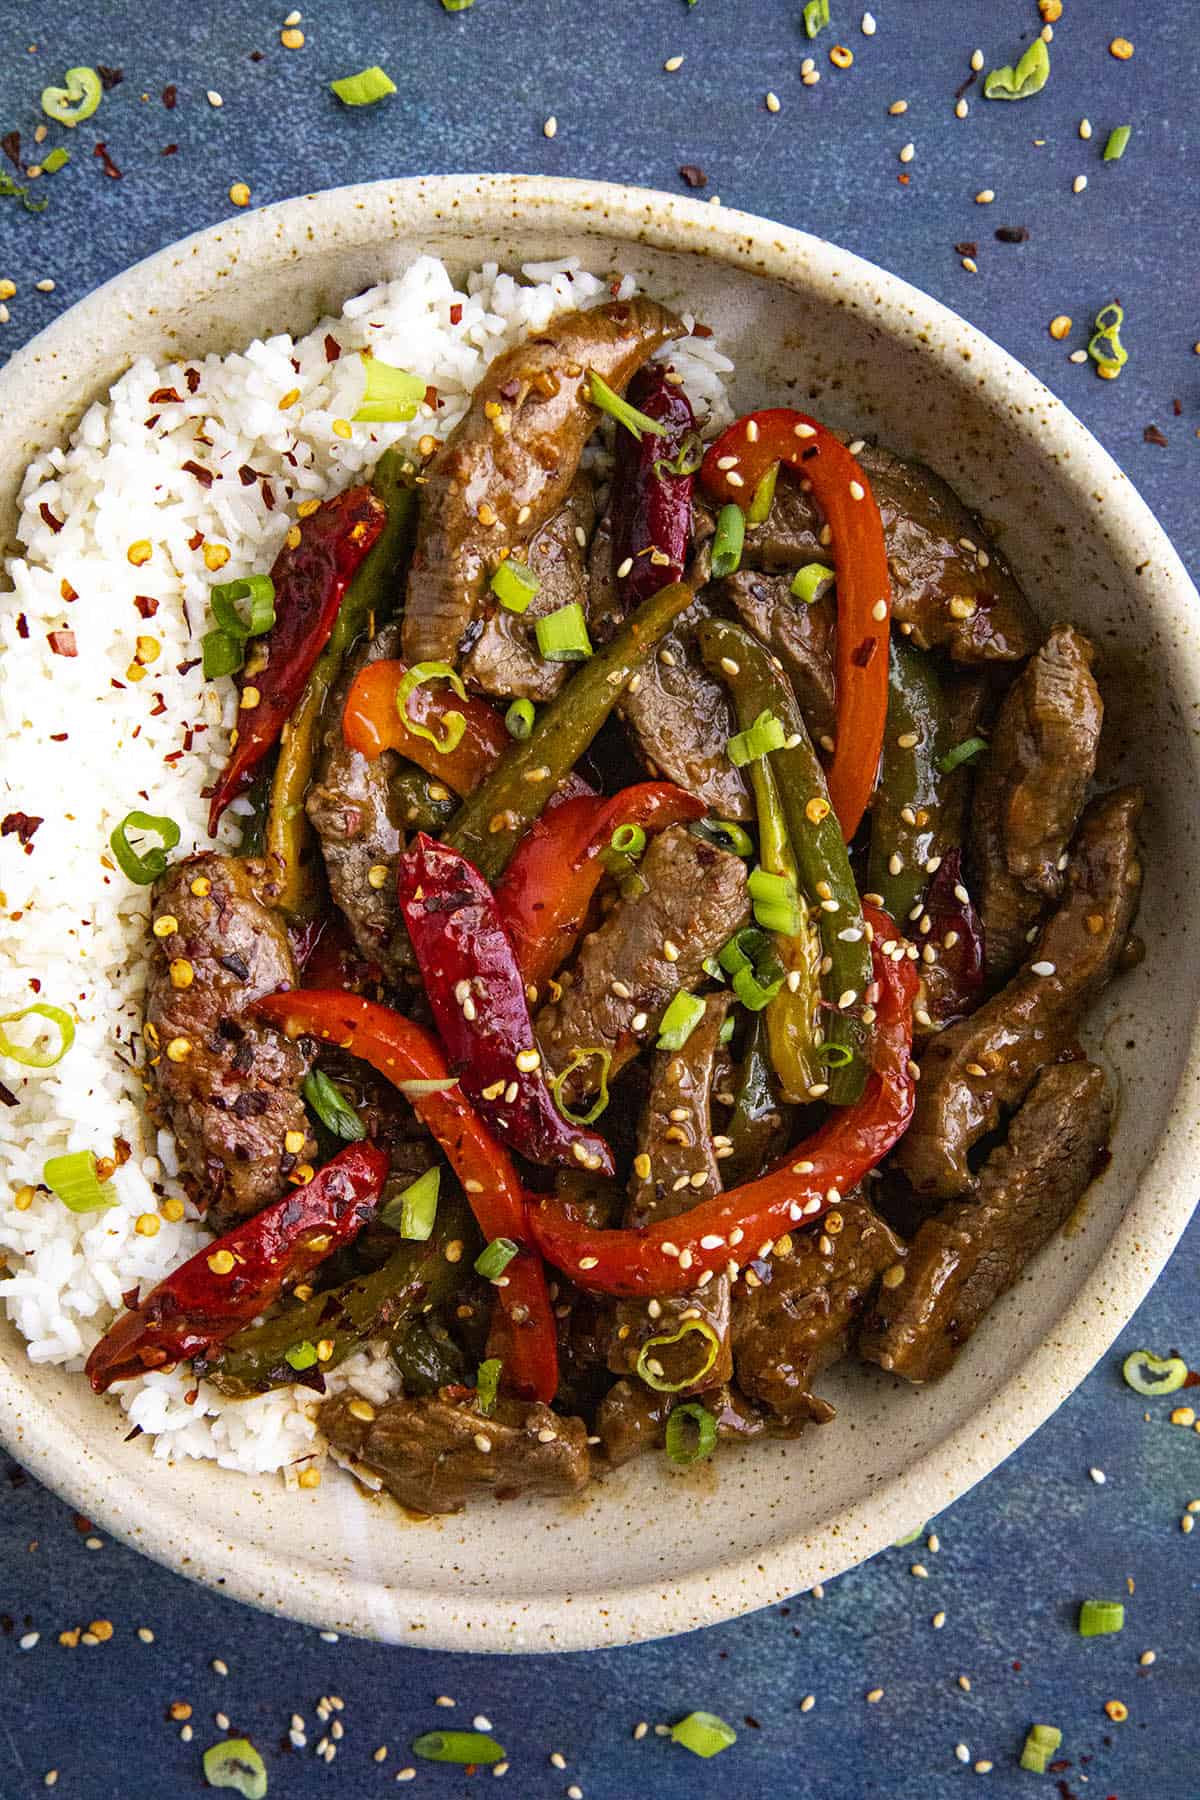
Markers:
650,1550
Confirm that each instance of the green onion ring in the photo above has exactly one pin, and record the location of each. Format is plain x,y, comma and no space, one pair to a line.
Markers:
144,866
666,1338
28,1054
1148,1374
454,722
487,1383
601,395
678,1448
577,1059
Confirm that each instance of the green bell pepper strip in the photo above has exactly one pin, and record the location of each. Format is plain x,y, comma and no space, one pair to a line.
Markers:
368,599
822,862
380,1304
496,816
428,1358
414,800
760,1122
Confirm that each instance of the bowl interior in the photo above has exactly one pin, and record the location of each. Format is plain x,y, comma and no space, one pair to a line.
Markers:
650,1550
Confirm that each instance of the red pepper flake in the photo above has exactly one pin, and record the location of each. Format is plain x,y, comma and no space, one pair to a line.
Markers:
456,314
866,650
257,55
904,180
48,518
247,476
10,143
165,397
109,78
195,541
191,379
268,494
146,605
109,166
204,476
183,667
966,249
1192,1378
22,626
170,96
152,421
1177,408
187,737
1013,234
62,643
332,348
23,825
431,397
7,1097
702,331
66,590
159,707
170,149
694,175
1151,435
173,756
59,737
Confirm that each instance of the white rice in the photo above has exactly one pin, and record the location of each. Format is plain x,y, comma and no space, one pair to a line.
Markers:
87,738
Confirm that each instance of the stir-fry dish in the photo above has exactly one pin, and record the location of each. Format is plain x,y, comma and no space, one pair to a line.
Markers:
669,900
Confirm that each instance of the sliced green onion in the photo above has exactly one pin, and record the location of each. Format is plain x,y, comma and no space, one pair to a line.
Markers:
143,866
73,1178
601,395
911,1538
835,1056
454,722
703,1733
1118,142
811,582
725,1035
458,1746
655,1379
221,654
965,752
562,636
1101,1618
726,834
301,1356
1148,1374
332,1107
628,840
12,190
77,100
679,1021
30,1054
519,719
762,498
259,590
728,540
236,1764
1028,78
514,585
766,734
776,903
682,1447
577,1060
1040,1745
686,461
495,1257
390,396
1109,321
57,159
412,1212
753,991
487,1383
816,15
365,88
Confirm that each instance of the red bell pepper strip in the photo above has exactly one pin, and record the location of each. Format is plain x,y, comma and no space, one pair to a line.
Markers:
310,576
523,1331
672,1255
236,1277
372,723
477,995
651,503
545,891
732,470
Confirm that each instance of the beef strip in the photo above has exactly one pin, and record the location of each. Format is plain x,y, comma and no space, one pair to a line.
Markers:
350,808
234,1095
649,947
803,637
632,1419
435,1453
927,529
505,659
793,1312
983,1067
681,718
508,465
676,1168
972,1252
1029,792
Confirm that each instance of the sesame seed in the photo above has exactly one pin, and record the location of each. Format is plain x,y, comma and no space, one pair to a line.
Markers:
550,128
938,1620
962,1753
897,107
1042,968
970,265
1079,183
557,1760
218,1666
672,63
444,1700
640,1730
1147,1657
213,98
1098,1476
920,1571
772,102
985,196
964,1682
868,24
857,490
961,109
908,152
875,1695
983,1767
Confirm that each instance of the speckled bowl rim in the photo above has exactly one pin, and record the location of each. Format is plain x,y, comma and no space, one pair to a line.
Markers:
1155,1216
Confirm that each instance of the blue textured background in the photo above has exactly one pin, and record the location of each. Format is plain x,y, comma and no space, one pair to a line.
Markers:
1018,1554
